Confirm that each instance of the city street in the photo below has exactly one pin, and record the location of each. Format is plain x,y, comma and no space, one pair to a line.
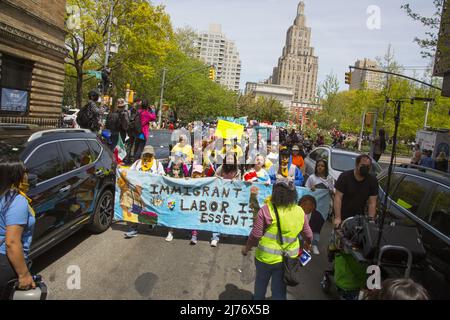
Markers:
126,126
148,267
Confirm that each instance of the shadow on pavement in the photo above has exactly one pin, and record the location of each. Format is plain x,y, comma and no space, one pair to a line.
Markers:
59,250
232,292
180,234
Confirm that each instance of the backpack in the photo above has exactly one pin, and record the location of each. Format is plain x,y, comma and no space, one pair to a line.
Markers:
123,120
113,121
85,117
135,127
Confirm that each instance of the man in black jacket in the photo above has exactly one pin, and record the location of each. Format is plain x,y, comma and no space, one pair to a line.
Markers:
118,122
89,115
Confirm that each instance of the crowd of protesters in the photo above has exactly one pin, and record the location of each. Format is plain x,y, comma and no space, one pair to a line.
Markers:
280,163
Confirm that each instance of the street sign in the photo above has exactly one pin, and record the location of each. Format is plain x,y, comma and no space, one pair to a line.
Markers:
97,74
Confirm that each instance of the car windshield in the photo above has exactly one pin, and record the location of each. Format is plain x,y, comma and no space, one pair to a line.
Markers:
12,147
344,162
160,141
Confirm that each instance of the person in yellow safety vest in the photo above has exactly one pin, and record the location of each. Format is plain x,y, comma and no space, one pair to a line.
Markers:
269,252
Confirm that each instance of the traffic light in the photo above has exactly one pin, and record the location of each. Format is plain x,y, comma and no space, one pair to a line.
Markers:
348,78
212,73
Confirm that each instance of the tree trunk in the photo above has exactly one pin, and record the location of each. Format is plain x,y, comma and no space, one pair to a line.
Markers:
79,98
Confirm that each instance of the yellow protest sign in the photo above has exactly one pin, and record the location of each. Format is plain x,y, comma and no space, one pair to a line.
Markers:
229,130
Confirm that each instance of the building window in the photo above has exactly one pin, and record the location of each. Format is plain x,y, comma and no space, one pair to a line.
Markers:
15,85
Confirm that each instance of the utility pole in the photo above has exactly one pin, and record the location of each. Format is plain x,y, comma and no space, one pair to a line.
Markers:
426,115
362,130
108,44
388,84
162,98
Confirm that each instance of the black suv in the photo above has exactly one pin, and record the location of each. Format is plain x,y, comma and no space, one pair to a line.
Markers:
421,197
71,176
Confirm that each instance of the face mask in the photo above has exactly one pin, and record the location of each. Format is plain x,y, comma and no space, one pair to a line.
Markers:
364,171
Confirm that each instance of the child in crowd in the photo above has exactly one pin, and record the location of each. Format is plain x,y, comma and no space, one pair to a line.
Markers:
197,172
177,171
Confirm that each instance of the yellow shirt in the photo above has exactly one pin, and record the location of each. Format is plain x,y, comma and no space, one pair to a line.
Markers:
187,150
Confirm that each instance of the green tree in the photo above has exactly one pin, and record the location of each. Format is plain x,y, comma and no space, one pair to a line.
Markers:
261,109
432,24
143,33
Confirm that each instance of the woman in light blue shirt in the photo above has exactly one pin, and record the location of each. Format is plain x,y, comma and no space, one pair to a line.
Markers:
16,227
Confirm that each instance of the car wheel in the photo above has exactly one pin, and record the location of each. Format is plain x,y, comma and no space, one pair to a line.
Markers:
103,214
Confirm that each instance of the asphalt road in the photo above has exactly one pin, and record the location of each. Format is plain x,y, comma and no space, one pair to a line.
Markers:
149,268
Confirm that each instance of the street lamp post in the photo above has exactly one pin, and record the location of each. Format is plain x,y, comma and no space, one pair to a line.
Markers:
162,97
108,44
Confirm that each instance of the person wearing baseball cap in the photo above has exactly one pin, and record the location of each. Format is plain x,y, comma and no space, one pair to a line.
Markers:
148,163
297,158
117,122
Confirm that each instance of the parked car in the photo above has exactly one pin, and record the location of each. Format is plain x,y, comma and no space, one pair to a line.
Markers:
71,176
420,197
161,141
339,161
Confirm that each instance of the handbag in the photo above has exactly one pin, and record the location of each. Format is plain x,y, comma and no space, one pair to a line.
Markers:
291,266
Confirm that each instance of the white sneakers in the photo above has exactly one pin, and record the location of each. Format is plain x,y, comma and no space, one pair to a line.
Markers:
214,243
169,237
315,250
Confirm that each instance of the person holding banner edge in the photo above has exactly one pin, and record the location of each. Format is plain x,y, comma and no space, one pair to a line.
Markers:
148,164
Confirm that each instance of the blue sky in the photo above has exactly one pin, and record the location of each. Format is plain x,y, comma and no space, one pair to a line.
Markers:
340,34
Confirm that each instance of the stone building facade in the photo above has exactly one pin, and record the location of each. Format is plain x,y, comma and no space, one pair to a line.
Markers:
298,66
367,79
32,60
214,48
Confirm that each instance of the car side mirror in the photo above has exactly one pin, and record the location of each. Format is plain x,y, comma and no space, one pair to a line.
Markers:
32,180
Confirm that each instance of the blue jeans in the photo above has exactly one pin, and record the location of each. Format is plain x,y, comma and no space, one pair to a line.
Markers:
264,272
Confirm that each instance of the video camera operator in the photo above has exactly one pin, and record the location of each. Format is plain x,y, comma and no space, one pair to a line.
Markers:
354,190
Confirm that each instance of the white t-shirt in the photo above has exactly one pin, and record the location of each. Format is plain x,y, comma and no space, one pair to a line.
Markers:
157,167
315,180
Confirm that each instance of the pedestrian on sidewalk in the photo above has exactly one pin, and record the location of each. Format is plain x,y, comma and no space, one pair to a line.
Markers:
379,145
142,138
89,116
16,227
269,252
134,128
117,122
417,155
427,160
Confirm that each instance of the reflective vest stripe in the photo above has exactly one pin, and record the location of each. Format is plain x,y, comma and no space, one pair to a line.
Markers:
286,240
290,253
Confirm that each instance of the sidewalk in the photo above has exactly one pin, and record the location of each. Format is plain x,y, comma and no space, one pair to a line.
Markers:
398,160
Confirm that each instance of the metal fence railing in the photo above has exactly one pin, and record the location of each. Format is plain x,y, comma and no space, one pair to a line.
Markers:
41,122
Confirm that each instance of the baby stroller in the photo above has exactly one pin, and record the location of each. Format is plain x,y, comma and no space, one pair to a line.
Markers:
352,251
